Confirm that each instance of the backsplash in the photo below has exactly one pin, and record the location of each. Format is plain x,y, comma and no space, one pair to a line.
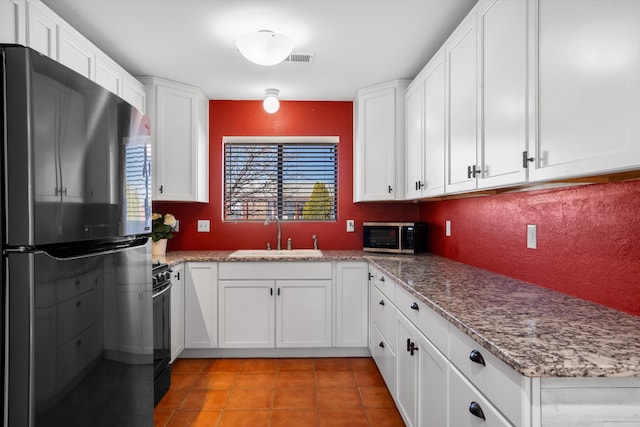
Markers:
588,238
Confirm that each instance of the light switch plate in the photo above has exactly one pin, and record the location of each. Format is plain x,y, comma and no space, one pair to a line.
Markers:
447,228
351,226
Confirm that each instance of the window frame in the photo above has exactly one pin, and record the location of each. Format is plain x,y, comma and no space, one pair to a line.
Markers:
278,140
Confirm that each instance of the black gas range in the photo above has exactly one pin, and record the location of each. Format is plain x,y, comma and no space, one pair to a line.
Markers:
161,274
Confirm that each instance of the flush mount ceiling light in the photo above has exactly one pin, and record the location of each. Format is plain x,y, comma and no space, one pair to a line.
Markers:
265,47
271,103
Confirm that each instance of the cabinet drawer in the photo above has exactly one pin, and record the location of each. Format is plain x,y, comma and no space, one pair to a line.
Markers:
275,270
495,379
383,316
430,323
384,357
462,395
386,285
74,316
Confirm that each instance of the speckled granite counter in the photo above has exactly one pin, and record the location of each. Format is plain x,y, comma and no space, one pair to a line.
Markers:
176,257
538,332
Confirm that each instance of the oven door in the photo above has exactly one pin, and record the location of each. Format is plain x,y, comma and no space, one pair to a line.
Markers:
161,328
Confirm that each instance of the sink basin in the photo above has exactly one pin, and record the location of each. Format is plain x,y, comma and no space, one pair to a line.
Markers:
263,253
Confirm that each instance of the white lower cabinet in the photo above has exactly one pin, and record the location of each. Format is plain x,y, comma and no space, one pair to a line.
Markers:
275,304
303,313
422,378
177,311
351,304
247,313
201,302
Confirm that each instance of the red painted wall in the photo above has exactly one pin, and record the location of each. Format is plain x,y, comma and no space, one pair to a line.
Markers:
295,118
588,239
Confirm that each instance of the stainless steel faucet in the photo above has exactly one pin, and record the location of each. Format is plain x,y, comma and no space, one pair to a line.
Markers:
268,220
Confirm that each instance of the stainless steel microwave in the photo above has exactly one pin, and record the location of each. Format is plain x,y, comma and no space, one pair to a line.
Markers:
394,237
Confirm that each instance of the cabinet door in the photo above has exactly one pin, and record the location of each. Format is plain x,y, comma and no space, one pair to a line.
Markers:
408,368
378,134
177,311
201,298
351,304
108,74
75,51
461,56
502,26
432,385
41,29
12,21
303,313
588,62
176,117
247,313
414,139
434,87
379,143
133,92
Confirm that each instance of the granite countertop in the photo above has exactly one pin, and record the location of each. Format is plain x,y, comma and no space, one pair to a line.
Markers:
536,331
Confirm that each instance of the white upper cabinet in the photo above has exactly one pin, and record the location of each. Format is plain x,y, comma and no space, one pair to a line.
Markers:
425,131
487,88
588,87
502,26
461,52
12,21
108,74
76,52
31,23
41,29
180,124
378,166
133,92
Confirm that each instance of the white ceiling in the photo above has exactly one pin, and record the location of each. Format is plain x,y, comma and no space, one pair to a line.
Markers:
356,43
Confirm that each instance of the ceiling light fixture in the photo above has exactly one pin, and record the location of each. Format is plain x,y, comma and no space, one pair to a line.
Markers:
265,47
271,103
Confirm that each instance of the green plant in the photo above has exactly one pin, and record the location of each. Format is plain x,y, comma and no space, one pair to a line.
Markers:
162,226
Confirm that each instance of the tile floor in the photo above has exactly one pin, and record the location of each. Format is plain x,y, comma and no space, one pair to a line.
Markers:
328,392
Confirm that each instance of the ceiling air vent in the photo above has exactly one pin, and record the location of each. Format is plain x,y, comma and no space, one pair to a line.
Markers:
300,57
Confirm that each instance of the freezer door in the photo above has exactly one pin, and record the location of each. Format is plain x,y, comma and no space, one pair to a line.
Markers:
80,345
78,158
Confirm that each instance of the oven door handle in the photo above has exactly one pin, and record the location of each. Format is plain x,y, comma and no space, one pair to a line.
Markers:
163,291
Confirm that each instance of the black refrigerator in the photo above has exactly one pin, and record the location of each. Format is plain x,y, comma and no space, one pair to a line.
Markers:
77,333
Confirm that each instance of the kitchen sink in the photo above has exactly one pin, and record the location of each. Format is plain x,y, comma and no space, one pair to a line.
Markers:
263,253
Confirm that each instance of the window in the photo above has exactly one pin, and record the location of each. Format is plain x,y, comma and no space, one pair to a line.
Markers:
294,178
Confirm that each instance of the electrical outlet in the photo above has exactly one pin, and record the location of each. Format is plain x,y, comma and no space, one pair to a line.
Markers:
176,227
351,226
532,237
447,228
203,225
